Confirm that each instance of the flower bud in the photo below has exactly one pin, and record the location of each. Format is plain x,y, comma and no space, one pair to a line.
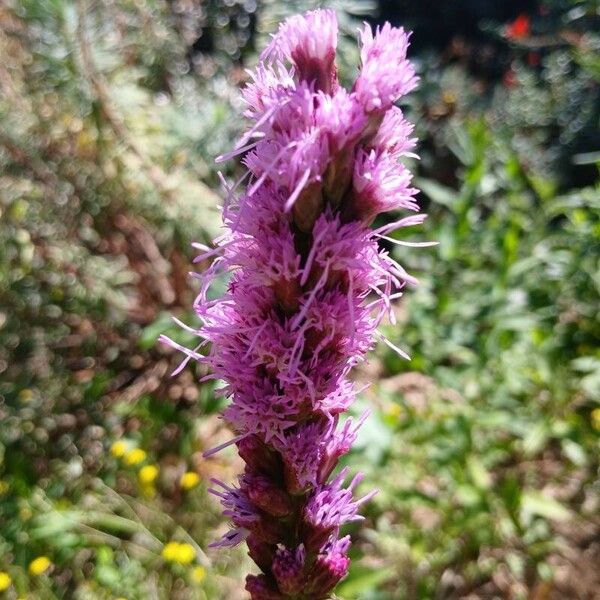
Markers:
308,207
267,495
330,567
260,552
288,294
288,569
261,588
258,456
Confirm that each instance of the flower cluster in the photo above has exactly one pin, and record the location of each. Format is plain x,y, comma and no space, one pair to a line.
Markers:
309,285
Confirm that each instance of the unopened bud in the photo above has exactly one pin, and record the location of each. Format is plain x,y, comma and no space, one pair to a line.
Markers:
261,588
288,569
258,456
267,495
308,206
260,552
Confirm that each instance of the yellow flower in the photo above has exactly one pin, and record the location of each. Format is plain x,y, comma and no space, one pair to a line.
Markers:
449,97
394,411
169,551
4,487
118,449
189,480
596,419
134,457
198,574
148,491
5,581
147,475
39,565
25,395
183,554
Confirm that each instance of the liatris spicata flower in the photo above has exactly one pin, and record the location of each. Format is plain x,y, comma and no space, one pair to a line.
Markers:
309,284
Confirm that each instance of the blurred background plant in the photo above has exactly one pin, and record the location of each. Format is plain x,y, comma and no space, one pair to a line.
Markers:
110,116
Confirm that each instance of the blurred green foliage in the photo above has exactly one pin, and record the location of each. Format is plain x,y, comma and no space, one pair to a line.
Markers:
485,446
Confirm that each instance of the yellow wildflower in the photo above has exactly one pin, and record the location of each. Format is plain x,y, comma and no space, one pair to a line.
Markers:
198,574
25,395
147,475
183,554
189,480
449,97
394,411
118,449
169,551
134,457
39,565
596,419
5,581
148,491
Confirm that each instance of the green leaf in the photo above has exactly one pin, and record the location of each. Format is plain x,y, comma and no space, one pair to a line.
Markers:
164,324
362,579
374,438
437,192
479,474
535,503
575,453
536,438
468,495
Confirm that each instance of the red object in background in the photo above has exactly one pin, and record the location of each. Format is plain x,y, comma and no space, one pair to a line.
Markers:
510,79
533,58
519,28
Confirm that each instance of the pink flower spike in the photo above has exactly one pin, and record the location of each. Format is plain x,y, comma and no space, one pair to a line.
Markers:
307,284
